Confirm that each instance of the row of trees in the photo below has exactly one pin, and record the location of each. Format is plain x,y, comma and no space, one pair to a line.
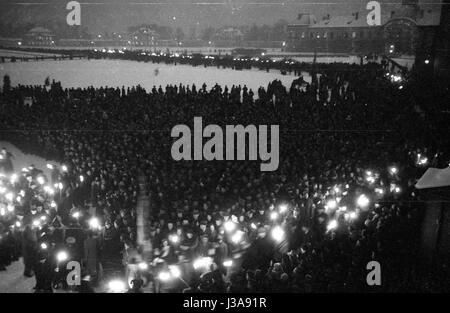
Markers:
254,32
60,28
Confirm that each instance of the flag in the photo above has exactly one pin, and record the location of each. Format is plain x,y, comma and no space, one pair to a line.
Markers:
433,178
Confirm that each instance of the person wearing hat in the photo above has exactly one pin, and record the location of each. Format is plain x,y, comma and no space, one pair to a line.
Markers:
44,271
136,286
203,228
205,247
189,243
195,220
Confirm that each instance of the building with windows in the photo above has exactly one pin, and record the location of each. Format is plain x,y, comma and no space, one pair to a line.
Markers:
40,36
229,34
143,36
407,31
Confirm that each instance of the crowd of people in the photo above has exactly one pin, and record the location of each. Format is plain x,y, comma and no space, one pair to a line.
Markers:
352,144
228,59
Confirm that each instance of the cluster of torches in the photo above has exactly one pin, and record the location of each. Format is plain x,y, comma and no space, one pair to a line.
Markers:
10,197
231,226
261,60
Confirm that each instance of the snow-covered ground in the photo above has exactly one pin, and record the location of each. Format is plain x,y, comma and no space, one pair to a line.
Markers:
15,53
97,73
22,160
13,281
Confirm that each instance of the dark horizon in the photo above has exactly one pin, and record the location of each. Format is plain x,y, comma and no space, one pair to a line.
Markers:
110,16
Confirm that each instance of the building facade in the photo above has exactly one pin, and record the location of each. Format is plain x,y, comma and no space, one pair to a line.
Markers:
40,36
403,32
144,37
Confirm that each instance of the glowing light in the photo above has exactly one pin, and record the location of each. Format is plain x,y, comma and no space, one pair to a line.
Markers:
204,262
253,225
50,166
143,266
397,189
229,226
49,190
228,263
379,191
174,238
64,168
94,223
41,180
175,271
164,276
77,215
427,61
60,186
342,208
331,204
353,215
421,160
43,218
237,237
333,224
62,256
81,178
18,224
13,178
9,196
278,233
362,201
53,204
393,170
283,208
117,286
44,246
273,216
2,212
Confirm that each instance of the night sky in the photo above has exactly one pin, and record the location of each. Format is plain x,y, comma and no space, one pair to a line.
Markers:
113,15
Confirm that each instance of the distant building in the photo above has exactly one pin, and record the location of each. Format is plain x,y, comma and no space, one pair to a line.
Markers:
40,36
144,36
409,30
229,34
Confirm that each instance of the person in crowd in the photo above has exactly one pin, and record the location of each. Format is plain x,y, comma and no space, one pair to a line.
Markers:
350,120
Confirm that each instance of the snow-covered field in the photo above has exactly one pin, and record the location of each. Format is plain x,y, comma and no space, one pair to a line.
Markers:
97,73
22,160
14,53
13,281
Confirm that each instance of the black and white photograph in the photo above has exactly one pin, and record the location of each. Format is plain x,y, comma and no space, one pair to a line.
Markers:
225,147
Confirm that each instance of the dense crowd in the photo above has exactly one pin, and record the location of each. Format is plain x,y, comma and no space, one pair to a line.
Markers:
352,144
